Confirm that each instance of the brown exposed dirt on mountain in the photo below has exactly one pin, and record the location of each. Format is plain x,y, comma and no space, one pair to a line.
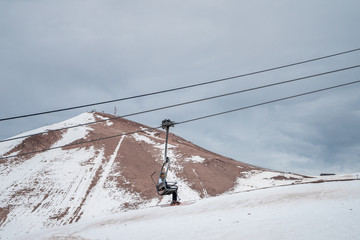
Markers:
119,125
60,215
280,177
136,164
23,192
214,175
39,204
4,212
35,144
137,160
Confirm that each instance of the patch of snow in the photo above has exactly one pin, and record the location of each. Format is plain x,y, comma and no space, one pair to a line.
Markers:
151,133
142,138
256,179
172,154
71,135
108,123
195,159
74,176
80,119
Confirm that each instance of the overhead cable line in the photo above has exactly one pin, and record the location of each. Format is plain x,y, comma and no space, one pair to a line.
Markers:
185,103
186,121
268,102
180,88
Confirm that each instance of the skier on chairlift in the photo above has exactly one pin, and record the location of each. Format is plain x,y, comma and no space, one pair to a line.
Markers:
171,188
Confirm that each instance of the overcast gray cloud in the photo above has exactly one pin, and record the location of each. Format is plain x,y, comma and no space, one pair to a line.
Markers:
56,54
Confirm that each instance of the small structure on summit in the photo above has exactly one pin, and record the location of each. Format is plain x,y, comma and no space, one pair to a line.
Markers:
162,186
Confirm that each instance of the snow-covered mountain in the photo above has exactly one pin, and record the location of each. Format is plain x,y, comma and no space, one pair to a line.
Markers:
96,179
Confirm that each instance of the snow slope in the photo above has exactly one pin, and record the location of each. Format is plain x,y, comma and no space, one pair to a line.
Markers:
319,211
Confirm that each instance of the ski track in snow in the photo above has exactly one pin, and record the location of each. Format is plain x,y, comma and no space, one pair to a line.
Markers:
101,193
108,166
61,187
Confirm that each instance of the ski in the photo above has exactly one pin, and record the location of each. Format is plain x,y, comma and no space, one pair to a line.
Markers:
175,205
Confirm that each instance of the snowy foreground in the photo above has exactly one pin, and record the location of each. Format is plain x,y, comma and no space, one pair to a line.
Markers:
318,211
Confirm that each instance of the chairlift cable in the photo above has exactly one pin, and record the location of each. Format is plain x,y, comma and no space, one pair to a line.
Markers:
190,120
264,103
180,88
185,103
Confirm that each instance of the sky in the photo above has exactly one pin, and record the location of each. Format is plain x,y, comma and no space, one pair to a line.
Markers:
57,54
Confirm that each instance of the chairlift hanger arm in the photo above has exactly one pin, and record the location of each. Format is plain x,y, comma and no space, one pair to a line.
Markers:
166,124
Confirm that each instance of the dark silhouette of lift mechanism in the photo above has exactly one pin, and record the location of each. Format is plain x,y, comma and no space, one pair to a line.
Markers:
169,188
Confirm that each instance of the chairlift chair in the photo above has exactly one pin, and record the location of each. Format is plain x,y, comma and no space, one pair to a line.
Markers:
169,188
